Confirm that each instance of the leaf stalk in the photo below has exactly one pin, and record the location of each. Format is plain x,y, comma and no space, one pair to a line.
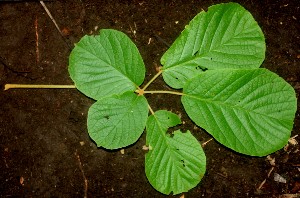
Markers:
164,92
26,86
152,79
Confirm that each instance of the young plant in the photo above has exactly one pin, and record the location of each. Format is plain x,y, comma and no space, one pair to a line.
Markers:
215,62
214,66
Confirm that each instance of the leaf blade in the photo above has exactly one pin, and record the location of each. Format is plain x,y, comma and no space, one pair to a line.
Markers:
250,111
226,36
174,163
117,121
106,64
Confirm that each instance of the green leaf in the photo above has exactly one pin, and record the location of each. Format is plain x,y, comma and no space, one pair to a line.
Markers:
106,64
117,121
248,110
174,163
226,36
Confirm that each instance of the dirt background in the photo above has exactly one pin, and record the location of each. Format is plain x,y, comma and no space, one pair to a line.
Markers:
45,149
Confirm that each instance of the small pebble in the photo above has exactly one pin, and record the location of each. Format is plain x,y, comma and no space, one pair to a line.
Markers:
122,151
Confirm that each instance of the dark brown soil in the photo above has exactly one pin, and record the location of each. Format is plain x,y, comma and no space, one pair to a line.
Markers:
45,148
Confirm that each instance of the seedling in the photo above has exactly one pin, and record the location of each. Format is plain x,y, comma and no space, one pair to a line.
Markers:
214,66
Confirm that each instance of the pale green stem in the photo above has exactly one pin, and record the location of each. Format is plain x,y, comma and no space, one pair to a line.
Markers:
165,92
154,77
24,86
151,110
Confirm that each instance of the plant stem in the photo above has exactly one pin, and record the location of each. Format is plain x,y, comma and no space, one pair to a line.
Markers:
152,79
151,110
165,92
11,86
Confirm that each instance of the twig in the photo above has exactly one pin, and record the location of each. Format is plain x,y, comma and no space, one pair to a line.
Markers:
296,165
83,175
222,175
204,143
263,182
52,19
37,40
